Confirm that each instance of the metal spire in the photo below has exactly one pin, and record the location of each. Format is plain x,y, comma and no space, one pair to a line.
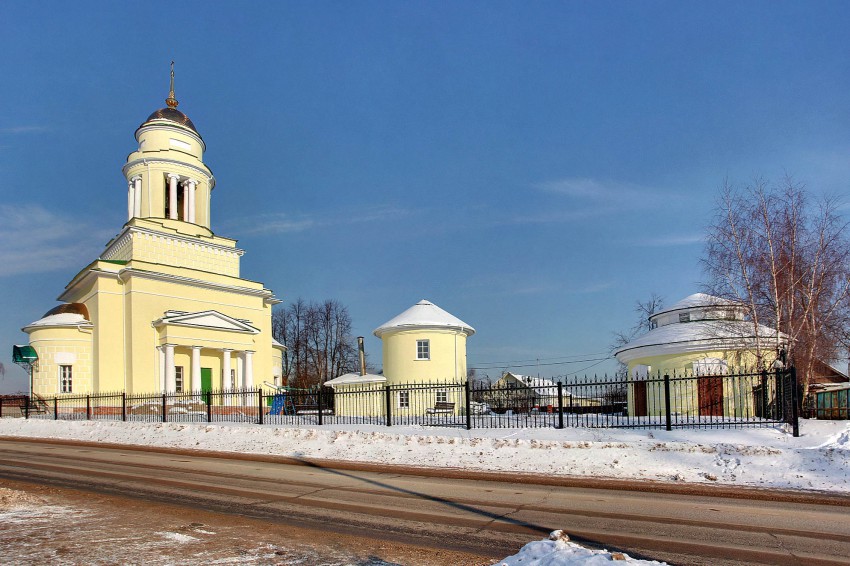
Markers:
171,101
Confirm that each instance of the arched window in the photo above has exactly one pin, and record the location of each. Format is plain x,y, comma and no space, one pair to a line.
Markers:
710,366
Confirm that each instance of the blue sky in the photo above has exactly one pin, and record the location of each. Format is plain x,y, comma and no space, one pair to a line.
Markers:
533,168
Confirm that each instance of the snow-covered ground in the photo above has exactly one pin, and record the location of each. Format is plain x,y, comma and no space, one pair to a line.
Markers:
819,460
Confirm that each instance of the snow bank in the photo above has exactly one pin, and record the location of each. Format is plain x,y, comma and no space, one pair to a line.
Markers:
558,551
766,457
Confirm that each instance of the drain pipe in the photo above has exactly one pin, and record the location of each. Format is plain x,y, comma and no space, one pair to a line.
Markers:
362,351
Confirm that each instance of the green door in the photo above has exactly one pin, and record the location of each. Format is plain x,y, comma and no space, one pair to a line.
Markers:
206,379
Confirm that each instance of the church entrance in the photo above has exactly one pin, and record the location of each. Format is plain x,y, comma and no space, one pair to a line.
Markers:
206,379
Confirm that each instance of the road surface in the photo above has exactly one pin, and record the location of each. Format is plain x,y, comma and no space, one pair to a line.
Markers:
445,510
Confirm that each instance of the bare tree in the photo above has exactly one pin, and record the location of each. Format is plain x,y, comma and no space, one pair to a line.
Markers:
318,340
788,264
644,311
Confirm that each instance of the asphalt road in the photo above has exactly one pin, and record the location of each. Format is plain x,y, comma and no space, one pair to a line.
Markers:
492,517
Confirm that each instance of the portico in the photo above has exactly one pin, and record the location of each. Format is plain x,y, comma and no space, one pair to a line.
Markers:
207,340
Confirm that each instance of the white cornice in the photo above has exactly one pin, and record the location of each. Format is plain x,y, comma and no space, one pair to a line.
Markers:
687,347
128,230
203,171
129,271
166,124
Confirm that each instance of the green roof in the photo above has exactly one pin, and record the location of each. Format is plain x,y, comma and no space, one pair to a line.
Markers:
24,354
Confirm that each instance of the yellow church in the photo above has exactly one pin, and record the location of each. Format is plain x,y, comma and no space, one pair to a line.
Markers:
164,307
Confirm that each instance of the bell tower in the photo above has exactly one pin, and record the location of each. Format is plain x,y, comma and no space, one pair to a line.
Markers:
166,176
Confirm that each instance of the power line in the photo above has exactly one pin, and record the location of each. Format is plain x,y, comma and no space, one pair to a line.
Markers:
538,359
514,365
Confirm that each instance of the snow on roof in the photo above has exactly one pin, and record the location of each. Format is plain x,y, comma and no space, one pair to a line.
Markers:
424,314
62,319
697,300
696,336
540,385
356,379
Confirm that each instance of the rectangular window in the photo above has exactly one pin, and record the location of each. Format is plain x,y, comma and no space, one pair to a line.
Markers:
423,349
684,317
178,379
442,396
65,377
232,378
404,399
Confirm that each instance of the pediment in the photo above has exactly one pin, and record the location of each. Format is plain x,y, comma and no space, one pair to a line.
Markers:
206,319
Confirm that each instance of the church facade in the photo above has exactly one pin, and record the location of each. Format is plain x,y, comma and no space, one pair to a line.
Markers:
164,306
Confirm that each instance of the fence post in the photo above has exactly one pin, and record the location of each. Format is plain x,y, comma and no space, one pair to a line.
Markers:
468,405
560,405
764,398
88,407
795,417
123,405
667,401
319,403
164,419
209,406
259,405
56,408
388,399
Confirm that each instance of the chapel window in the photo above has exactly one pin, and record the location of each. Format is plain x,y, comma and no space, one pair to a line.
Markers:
178,379
423,349
65,379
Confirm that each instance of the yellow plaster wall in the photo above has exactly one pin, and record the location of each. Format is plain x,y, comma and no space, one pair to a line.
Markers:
447,361
149,299
684,395
48,342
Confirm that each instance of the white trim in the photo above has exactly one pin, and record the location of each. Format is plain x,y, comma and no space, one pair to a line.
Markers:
129,231
128,271
195,339
205,173
185,319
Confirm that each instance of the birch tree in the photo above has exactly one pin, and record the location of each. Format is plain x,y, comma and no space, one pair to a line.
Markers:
788,263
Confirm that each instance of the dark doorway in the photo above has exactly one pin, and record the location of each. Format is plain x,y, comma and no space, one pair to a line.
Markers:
710,395
639,398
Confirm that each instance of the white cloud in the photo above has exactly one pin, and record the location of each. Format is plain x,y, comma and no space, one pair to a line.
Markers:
23,130
585,197
35,240
584,188
669,241
281,222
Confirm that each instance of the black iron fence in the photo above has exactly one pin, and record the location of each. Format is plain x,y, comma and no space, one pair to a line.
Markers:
664,401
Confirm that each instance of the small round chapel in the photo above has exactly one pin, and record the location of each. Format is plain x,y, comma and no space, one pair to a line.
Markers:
424,344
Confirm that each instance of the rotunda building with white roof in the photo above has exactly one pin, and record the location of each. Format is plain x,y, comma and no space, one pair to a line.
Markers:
701,335
424,344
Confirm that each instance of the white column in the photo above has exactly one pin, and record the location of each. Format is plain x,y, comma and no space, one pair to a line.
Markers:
192,185
170,377
172,195
249,369
161,368
225,369
131,199
196,368
137,195
185,202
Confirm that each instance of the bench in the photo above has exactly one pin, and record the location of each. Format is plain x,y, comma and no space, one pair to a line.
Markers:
441,408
